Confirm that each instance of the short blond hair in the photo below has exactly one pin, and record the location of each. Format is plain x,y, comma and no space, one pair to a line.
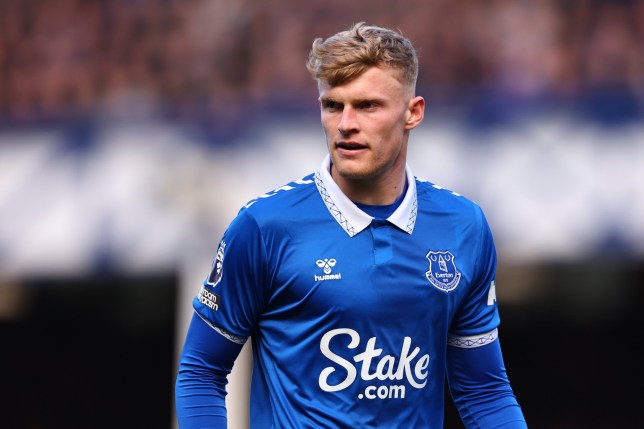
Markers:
347,54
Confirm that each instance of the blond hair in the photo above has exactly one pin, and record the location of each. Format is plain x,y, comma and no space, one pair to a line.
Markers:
347,54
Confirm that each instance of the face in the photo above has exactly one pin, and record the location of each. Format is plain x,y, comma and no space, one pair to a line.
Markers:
367,123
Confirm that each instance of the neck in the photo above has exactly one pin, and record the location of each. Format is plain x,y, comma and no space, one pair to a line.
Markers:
372,191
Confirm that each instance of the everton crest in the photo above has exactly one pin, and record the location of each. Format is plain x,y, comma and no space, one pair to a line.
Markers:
442,272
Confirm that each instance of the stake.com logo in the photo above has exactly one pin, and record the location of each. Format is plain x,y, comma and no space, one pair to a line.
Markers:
387,368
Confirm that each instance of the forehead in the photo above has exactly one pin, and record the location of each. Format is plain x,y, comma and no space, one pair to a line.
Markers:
375,82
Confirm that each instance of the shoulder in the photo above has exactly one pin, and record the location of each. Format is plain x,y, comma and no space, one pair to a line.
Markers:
280,200
272,213
435,198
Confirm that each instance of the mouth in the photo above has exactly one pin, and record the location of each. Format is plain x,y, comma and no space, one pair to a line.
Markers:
350,146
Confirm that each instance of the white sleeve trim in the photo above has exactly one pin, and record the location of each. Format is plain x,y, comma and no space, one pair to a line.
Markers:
473,341
227,335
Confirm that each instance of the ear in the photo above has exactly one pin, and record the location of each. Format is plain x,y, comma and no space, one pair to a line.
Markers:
415,112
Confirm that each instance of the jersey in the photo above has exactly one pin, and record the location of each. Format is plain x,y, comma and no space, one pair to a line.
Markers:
350,317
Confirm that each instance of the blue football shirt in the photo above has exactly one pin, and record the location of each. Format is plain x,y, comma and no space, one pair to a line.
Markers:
350,317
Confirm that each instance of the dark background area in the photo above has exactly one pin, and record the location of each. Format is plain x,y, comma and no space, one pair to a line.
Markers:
90,352
98,352
573,354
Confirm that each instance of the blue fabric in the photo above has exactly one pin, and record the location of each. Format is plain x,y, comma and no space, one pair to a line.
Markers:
349,316
206,360
480,388
383,211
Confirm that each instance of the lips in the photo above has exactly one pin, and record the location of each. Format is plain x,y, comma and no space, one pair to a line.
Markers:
350,146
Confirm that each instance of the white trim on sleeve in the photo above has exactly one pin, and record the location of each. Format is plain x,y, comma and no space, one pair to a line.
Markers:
473,341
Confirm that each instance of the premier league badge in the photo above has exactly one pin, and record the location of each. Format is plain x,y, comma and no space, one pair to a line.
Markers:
206,296
218,266
442,272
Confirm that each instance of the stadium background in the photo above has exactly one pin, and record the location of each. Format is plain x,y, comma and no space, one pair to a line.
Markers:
132,131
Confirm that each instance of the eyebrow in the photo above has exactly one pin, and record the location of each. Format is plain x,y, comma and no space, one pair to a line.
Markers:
379,100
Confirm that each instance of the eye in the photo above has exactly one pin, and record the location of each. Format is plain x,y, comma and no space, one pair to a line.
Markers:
331,105
367,105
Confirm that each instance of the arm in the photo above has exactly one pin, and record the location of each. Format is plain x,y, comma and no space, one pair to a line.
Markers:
227,306
480,388
200,390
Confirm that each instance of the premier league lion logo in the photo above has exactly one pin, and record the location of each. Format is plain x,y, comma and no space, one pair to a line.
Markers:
218,266
442,272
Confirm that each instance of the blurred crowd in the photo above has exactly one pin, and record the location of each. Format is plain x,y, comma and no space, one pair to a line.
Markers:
216,61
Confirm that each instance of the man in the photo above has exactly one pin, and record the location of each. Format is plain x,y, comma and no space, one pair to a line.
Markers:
360,286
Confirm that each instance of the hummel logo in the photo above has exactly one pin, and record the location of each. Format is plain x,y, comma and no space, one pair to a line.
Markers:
327,266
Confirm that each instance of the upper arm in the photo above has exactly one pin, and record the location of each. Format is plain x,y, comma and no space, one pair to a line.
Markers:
478,310
232,296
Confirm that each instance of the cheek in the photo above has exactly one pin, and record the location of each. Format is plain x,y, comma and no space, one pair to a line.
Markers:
389,124
390,134
390,141
328,124
328,131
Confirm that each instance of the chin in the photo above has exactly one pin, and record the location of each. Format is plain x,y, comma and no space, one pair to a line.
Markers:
354,173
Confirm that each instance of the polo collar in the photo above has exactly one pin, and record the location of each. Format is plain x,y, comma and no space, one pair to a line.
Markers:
350,217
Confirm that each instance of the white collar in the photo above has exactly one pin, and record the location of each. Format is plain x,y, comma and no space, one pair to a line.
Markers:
350,217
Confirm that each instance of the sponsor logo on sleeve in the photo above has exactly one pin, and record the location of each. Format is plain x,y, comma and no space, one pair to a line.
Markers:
209,299
491,295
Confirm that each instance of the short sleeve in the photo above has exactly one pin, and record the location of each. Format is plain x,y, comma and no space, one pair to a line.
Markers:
478,313
231,297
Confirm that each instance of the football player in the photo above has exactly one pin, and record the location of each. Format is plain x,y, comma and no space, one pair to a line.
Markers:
360,286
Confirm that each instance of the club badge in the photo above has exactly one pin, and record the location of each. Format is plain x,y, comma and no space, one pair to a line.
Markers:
442,272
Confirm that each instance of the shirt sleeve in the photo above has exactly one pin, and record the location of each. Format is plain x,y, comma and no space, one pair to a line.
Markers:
478,313
232,297
200,390
480,388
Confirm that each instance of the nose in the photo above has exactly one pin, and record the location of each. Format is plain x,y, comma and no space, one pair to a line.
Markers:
348,121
